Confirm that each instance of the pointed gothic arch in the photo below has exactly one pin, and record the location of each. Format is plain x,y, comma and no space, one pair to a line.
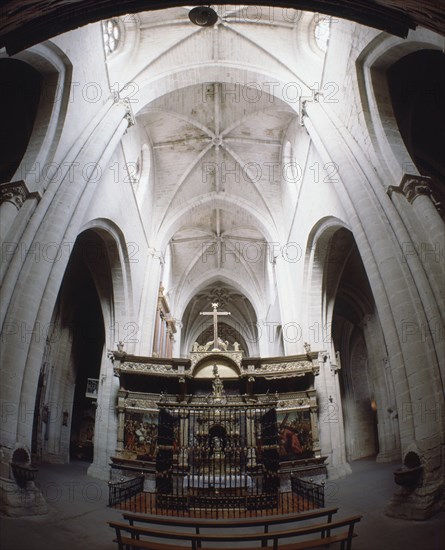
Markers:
54,70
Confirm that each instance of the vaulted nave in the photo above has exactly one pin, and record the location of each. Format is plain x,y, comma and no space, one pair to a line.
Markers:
223,259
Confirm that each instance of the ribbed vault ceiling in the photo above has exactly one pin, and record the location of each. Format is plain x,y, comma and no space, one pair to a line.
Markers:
26,23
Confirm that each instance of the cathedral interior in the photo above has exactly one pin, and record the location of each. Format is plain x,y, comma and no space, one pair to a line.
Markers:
222,267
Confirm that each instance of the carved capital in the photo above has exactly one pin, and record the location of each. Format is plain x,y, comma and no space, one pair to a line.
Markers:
335,367
114,355
16,193
411,187
129,116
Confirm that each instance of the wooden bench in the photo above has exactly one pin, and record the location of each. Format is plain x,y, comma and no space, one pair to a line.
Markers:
258,522
130,536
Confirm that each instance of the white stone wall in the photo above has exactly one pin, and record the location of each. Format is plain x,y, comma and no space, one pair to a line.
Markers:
342,142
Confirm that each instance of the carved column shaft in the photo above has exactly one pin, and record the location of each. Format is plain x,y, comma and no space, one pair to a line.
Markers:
156,333
120,425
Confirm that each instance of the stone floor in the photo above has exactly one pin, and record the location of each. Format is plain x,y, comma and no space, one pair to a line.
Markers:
78,513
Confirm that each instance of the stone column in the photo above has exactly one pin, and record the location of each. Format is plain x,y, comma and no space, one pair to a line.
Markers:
403,296
426,229
384,395
120,424
162,336
314,425
12,197
291,325
331,426
30,287
106,432
148,314
156,332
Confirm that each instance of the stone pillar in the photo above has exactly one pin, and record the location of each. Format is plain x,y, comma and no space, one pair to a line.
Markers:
30,288
384,395
120,424
163,336
314,426
426,229
290,322
417,191
404,300
332,437
106,432
157,329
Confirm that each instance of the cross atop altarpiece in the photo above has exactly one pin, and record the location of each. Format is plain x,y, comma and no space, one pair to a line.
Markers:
215,314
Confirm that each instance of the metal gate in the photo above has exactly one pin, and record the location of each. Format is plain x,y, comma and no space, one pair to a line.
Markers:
227,452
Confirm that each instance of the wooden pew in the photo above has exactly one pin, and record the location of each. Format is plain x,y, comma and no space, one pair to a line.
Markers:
197,523
130,536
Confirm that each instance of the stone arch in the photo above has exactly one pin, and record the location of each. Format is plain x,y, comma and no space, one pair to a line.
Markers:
345,320
401,292
351,309
396,16
219,276
89,314
233,329
22,89
416,83
317,303
206,365
177,218
191,75
50,242
373,62
36,165
119,259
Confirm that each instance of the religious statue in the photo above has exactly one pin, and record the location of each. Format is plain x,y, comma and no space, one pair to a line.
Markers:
217,446
223,344
236,346
195,347
217,385
208,345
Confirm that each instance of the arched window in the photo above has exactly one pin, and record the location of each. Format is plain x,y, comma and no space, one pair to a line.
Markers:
322,31
20,87
111,35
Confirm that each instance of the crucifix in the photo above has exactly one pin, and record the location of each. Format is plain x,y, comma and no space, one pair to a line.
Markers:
215,314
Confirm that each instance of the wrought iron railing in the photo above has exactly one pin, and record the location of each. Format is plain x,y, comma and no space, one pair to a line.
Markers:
125,491
223,505
309,492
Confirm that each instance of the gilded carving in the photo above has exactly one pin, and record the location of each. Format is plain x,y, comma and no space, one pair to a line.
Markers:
197,356
150,368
